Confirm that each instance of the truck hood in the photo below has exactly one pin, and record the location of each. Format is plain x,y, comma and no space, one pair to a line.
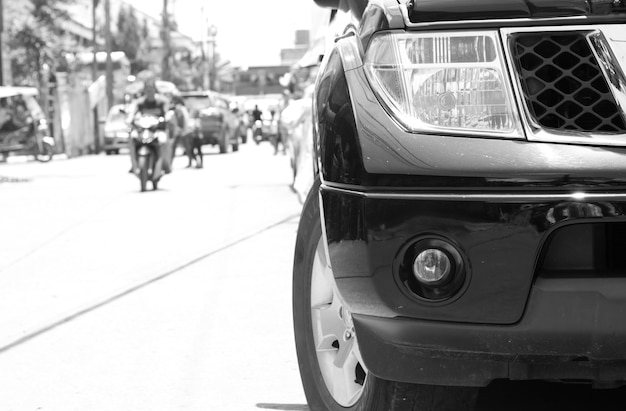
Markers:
422,11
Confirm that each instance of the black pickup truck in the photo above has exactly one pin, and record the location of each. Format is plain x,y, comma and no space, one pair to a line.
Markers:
468,220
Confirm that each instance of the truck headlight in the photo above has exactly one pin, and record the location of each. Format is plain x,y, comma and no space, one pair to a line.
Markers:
451,83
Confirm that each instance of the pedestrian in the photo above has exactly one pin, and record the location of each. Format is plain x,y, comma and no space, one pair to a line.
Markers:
187,133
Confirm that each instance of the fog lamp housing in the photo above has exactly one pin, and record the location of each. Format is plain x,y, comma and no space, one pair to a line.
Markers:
432,269
431,266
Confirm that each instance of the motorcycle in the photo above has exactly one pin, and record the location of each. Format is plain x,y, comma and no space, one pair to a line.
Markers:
148,135
26,132
257,131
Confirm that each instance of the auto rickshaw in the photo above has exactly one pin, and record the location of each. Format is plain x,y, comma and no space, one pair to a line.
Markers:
24,128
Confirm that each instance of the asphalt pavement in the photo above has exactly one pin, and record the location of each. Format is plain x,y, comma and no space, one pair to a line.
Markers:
178,299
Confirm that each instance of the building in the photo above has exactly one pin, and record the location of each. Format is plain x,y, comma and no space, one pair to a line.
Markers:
260,80
290,56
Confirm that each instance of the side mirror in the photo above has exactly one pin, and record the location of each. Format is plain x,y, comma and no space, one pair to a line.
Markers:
331,4
357,6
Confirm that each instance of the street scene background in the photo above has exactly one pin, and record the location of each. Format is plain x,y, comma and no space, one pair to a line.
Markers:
177,298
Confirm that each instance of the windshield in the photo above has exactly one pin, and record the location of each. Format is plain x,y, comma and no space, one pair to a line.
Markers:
197,103
116,116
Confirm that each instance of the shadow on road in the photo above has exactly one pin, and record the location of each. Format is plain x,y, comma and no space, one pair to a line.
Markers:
544,396
284,407
4,179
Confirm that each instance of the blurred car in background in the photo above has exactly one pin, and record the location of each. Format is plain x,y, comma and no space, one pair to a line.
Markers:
116,132
219,125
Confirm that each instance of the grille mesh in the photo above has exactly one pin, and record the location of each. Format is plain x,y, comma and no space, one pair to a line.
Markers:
563,85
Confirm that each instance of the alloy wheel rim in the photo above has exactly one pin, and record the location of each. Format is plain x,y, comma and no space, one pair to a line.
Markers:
335,341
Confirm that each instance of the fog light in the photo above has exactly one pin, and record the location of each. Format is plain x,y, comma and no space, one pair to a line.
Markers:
431,266
432,269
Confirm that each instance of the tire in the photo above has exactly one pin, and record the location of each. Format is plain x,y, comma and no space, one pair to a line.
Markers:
224,144
314,291
143,164
46,153
108,152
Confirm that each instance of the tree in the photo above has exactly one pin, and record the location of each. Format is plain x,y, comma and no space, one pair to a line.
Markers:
129,38
37,41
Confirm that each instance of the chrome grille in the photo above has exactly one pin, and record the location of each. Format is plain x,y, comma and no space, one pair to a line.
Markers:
562,83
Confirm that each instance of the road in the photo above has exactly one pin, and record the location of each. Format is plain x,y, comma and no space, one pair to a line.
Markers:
179,299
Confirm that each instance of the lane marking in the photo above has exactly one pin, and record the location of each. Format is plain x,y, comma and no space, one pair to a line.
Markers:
119,295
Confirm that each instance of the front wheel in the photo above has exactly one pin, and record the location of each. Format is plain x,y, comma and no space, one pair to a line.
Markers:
333,373
45,153
143,163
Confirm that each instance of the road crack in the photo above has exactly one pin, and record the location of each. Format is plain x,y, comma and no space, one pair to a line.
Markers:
38,331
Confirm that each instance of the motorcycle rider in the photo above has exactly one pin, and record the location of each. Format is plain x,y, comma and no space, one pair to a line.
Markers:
256,114
149,104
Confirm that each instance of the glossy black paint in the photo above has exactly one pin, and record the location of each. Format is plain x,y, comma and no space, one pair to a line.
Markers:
374,20
501,242
450,10
565,335
337,142
376,153
506,307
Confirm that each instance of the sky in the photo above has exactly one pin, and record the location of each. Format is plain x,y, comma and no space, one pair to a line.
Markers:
249,32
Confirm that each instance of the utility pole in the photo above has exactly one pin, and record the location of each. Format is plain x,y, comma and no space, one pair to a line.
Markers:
203,46
211,69
165,67
109,46
94,75
1,44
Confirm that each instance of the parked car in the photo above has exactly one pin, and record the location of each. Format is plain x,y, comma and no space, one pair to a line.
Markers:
219,125
468,220
116,130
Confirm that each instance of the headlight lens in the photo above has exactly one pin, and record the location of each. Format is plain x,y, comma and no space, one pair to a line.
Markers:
444,83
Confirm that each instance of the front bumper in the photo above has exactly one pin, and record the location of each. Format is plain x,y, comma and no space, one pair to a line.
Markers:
509,320
115,142
571,330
